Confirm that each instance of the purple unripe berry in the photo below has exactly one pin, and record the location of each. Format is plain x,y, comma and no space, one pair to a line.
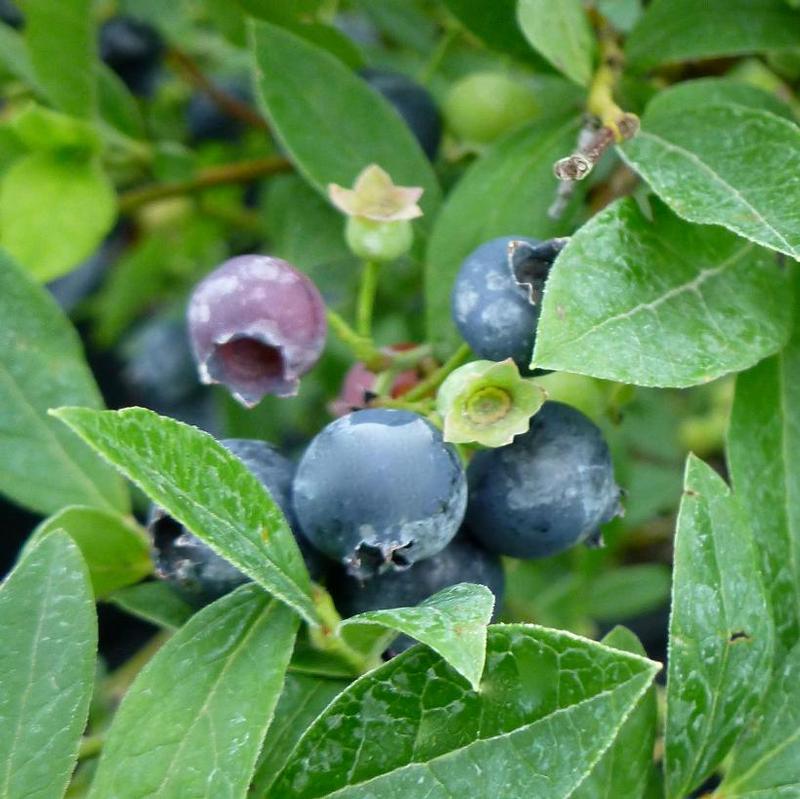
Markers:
256,325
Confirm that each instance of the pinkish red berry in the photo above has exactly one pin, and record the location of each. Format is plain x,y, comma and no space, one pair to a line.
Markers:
256,325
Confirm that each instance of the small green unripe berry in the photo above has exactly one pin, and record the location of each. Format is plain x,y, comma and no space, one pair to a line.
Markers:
378,241
483,106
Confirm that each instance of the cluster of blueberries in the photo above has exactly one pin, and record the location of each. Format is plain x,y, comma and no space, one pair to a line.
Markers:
381,506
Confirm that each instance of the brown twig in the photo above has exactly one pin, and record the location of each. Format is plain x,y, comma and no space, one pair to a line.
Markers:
241,172
230,105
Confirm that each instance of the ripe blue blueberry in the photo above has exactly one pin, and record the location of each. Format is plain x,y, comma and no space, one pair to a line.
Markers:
414,104
378,490
256,325
133,49
461,561
551,488
190,565
497,295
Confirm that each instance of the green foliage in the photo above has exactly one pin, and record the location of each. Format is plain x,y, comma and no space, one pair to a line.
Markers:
540,686
46,668
114,547
721,634
683,30
659,302
561,33
722,164
243,640
42,465
669,317
205,487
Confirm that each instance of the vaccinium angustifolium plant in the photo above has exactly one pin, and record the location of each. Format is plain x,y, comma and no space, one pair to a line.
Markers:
434,172
378,490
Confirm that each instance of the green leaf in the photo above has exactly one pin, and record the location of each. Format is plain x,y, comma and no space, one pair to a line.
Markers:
55,209
624,769
766,760
685,30
42,465
452,622
46,669
330,122
517,173
764,461
622,14
628,591
494,23
661,302
719,91
722,165
561,33
193,721
116,105
114,547
207,489
302,700
413,728
61,44
40,128
720,636
14,57
155,602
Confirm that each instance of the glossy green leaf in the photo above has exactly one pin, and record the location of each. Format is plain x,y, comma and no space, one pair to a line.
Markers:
55,209
330,122
114,547
61,43
766,760
193,721
46,669
622,14
517,174
723,164
661,302
413,727
204,487
720,637
281,11
302,700
42,464
15,59
561,33
764,461
627,591
154,602
40,128
687,30
624,769
452,622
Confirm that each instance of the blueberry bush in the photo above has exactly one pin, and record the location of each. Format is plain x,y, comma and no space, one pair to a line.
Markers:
399,398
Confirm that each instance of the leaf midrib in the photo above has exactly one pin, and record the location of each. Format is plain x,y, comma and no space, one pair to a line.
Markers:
716,178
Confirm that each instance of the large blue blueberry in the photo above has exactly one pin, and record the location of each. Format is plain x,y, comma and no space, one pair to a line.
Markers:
133,49
497,295
190,565
551,488
414,104
461,561
378,490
